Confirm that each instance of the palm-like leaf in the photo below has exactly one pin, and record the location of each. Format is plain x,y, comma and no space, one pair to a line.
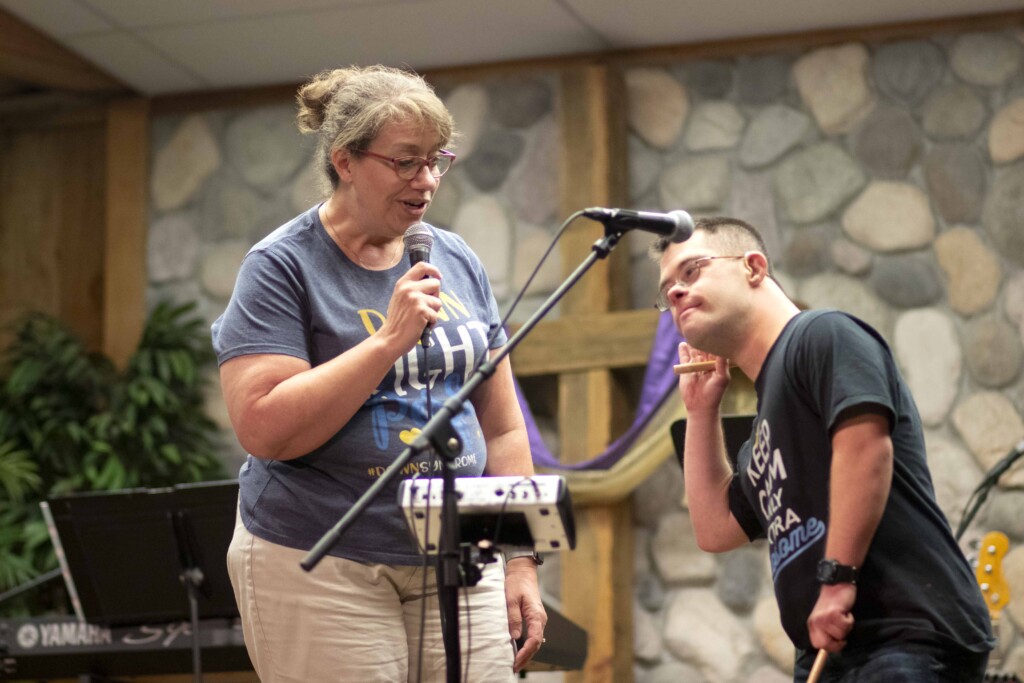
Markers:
70,422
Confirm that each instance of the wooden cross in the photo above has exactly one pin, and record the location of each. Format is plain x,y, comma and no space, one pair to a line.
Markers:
582,347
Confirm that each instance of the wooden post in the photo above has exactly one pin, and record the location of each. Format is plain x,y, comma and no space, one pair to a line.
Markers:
597,578
124,286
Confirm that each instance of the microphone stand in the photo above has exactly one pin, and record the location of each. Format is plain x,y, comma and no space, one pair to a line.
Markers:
991,478
438,432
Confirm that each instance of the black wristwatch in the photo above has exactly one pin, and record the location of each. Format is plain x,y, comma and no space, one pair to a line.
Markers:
830,572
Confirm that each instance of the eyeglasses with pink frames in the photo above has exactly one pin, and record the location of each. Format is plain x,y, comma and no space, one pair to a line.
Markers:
408,168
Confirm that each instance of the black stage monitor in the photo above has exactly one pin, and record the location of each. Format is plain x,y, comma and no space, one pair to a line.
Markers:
737,429
125,551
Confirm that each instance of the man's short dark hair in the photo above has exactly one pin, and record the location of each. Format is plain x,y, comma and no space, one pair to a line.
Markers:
729,235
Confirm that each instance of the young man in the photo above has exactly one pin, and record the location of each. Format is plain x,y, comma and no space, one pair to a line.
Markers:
834,474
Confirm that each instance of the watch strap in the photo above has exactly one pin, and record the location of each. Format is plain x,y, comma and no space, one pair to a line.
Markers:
532,554
831,572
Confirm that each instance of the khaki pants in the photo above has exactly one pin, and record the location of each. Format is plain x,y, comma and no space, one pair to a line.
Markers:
347,621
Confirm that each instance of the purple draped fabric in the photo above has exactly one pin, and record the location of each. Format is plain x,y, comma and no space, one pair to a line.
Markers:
659,383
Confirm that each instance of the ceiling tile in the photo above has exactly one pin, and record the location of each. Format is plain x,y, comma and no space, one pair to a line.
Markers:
147,13
645,23
135,63
425,34
182,45
57,18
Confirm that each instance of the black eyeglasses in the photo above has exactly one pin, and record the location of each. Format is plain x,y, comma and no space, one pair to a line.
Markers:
687,274
408,168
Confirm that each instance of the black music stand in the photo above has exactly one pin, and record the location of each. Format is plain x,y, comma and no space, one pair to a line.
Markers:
735,428
149,555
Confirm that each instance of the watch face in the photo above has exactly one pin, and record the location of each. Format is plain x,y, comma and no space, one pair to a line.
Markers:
831,572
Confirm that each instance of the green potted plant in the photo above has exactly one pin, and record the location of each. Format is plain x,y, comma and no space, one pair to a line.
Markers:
71,422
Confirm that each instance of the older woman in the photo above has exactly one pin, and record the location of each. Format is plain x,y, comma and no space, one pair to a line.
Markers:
326,382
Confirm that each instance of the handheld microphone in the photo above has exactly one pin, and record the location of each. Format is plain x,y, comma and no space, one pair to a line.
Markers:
676,225
418,242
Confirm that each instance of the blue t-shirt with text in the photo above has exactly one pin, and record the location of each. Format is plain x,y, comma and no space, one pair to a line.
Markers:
297,294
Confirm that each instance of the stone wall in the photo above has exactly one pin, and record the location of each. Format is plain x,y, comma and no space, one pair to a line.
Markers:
888,180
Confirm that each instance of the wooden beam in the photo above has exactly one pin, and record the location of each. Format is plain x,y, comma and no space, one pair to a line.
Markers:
591,341
588,175
584,414
32,57
51,109
596,581
597,591
584,180
235,98
124,291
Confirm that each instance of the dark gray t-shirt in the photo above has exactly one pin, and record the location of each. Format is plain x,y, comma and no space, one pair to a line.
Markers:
298,294
915,584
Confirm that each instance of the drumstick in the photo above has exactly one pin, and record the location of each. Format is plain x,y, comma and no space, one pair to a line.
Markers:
699,366
818,667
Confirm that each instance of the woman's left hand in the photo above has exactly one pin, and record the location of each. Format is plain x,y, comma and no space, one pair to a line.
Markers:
522,598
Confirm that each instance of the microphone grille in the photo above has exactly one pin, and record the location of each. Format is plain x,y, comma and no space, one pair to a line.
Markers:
418,235
684,226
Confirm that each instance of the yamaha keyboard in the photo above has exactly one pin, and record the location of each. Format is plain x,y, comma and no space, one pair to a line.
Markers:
66,647
131,575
